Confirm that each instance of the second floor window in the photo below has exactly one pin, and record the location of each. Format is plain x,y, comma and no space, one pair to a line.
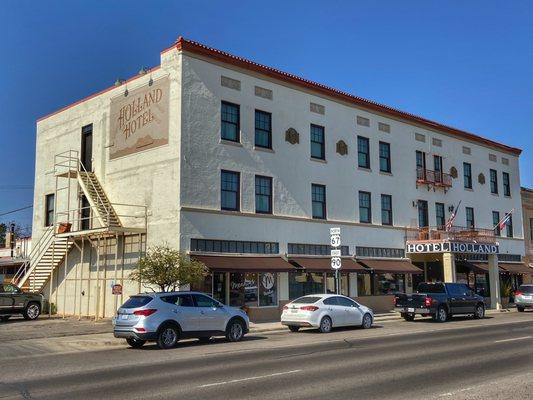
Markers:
318,198
363,152
263,194
230,124
49,209
384,157
317,142
470,223
467,175
493,181
506,184
496,222
386,209
263,129
365,207
509,227
230,190
439,213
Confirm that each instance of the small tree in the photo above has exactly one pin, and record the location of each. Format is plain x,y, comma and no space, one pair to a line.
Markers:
167,268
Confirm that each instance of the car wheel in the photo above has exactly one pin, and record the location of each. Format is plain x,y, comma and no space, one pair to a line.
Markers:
442,315
32,311
519,309
480,312
167,337
367,321
135,343
409,317
235,331
6,317
325,325
294,328
204,339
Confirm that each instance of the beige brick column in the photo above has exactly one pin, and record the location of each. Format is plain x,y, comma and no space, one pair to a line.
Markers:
494,281
448,261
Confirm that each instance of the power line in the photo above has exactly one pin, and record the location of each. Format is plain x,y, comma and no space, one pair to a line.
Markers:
14,211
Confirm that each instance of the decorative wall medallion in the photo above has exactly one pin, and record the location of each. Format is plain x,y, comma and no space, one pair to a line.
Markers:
342,148
481,178
292,136
453,172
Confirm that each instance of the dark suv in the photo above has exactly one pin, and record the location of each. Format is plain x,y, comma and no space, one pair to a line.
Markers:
14,301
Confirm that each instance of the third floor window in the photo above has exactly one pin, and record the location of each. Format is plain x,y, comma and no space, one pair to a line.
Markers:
230,123
263,129
467,175
506,184
317,142
363,152
384,157
493,181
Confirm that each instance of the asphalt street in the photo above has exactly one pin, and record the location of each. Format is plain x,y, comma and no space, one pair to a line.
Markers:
461,359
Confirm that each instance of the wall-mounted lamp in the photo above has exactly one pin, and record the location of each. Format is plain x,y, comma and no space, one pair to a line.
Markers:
450,208
126,92
415,204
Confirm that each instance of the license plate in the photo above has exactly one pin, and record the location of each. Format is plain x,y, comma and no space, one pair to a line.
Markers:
294,310
124,316
410,309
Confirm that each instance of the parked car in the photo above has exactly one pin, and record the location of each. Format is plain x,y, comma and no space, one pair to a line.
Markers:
440,301
523,297
14,301
325,311
170,316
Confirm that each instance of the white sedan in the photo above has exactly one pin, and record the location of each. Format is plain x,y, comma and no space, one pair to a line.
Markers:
325,311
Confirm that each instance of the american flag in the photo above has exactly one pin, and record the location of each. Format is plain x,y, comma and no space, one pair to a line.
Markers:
450,221
503,223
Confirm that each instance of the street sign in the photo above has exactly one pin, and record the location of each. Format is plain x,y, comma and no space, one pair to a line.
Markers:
335,262
335,253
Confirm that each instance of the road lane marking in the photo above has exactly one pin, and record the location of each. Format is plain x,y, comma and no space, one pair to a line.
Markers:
512,339
250,378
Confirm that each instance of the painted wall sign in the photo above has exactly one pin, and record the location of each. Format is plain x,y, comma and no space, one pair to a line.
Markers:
452,247
139,121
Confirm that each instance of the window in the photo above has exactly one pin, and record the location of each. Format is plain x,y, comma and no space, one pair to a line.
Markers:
363,152
49,210
204,301
243,289
330,283
314,249
317,142
509,226
365,207
470,223
263,129
467,175
230,190
318,197
384,157
439,213
390,283
234,246
230,129
382,252
362,121
423,217
263,194
493,181
506,184
182,300
437,164
386,209
304,283
496,222
268,289
420,165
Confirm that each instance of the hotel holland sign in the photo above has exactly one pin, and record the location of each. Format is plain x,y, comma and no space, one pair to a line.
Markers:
139,121
452,247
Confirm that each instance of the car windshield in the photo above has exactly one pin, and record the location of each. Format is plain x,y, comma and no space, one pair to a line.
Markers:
430,288
137,301
526,288
306,300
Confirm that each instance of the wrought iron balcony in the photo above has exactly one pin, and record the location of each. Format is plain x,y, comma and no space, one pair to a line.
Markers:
436,178
454,234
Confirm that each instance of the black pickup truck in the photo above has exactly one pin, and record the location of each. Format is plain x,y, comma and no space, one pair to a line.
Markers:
14,301
440,301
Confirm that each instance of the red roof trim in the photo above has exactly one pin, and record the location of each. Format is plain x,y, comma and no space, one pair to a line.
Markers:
96,94
198,48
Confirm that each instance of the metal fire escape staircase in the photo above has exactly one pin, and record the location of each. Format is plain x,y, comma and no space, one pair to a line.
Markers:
57,241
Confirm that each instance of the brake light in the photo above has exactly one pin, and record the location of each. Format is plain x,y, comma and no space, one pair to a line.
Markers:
396,301
428,301
518,293
309,308
140,330
144,313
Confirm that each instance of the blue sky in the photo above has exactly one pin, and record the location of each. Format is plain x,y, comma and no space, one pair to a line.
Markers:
465,64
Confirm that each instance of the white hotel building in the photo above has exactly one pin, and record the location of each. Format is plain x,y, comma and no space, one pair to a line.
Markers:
246,168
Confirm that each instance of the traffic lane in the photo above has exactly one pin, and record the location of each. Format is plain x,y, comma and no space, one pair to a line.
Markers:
442,362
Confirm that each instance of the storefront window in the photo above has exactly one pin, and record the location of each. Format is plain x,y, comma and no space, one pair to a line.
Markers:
268,289
330,283
243,289
390,283
482,285
219,286
304,283
363,285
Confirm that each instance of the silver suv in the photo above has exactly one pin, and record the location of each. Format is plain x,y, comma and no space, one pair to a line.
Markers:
171,316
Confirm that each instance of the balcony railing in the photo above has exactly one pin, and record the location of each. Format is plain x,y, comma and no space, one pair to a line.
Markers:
454,234
436,178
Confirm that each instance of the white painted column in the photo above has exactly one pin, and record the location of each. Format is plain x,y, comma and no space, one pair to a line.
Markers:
448,261
494,281
283,286
352,284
